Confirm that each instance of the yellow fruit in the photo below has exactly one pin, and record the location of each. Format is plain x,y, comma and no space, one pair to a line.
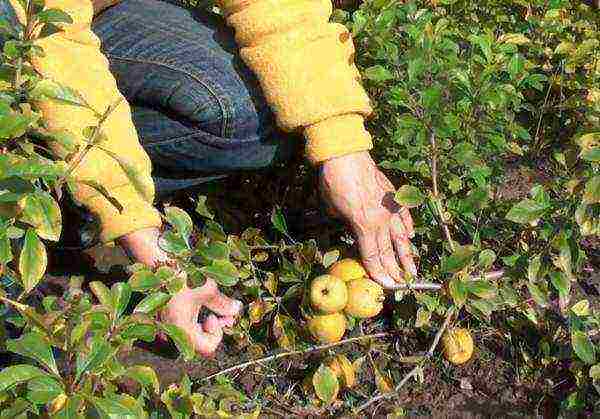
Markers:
343,369
457,345
365,298
347,269
328,328
328,294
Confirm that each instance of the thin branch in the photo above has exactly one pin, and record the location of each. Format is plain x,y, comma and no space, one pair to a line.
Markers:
432,286
292,353
436,192
415,370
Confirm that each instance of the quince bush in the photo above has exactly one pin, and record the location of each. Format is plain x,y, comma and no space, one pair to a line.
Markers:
470,97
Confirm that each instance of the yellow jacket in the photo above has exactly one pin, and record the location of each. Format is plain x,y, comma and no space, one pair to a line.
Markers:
304,64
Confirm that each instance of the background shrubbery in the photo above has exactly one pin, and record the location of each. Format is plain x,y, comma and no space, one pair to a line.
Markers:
487,113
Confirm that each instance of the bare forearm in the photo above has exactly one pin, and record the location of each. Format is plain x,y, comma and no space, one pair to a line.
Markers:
100,5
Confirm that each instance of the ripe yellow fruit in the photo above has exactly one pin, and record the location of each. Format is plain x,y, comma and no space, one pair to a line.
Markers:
457,345
347,269
328,328
328,294
343,369
365,298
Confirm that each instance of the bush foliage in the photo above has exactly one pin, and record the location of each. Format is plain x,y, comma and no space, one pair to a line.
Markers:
488,112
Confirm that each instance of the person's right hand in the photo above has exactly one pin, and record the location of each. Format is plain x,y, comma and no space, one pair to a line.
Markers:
360,193
184,307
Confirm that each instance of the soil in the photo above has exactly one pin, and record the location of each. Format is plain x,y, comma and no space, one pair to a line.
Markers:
492,384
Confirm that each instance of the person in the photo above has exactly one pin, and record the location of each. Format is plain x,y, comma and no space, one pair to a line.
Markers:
208,93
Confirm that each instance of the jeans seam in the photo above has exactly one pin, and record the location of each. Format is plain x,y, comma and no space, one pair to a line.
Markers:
193,135
224,108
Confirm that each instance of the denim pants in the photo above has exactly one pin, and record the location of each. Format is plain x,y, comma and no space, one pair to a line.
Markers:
198,109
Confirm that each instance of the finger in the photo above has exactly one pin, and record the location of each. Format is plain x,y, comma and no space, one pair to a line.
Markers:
387,254
206,343
213,323
407,221
404,253
223,305
206,292
369,252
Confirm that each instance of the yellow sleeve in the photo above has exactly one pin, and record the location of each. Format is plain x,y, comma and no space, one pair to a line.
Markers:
306,69
73,58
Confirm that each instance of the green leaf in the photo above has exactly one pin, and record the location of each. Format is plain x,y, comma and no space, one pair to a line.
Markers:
482,289
141,331
144,375
144,280
18,374
5,249
214,251
516,65
326,384
461,258
181,340
223,272
583,347
104,296
330,258
34,345
54,16
152,303
423,317
100,352
121,294
180,220
535,263
202,209
458,291
43,390
378,74
563,285
278,221
539,294
42,212
50,90
33,261
141,182
112,409
527,211
591,195
409,196
14,125
487,258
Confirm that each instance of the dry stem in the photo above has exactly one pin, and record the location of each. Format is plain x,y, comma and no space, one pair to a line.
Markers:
292,353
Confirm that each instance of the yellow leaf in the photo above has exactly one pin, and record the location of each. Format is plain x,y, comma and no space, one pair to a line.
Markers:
384,383
514,38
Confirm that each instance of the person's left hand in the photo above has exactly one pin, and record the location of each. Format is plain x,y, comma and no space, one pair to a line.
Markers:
364,197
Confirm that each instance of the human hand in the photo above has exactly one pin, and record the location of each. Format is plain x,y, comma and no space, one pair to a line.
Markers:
364,197
184,307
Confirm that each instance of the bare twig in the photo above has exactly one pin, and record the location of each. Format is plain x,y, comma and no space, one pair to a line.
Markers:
415,370
436,193
432,286
292,353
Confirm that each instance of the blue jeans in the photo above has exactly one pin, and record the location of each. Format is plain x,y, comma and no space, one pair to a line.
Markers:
198,108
